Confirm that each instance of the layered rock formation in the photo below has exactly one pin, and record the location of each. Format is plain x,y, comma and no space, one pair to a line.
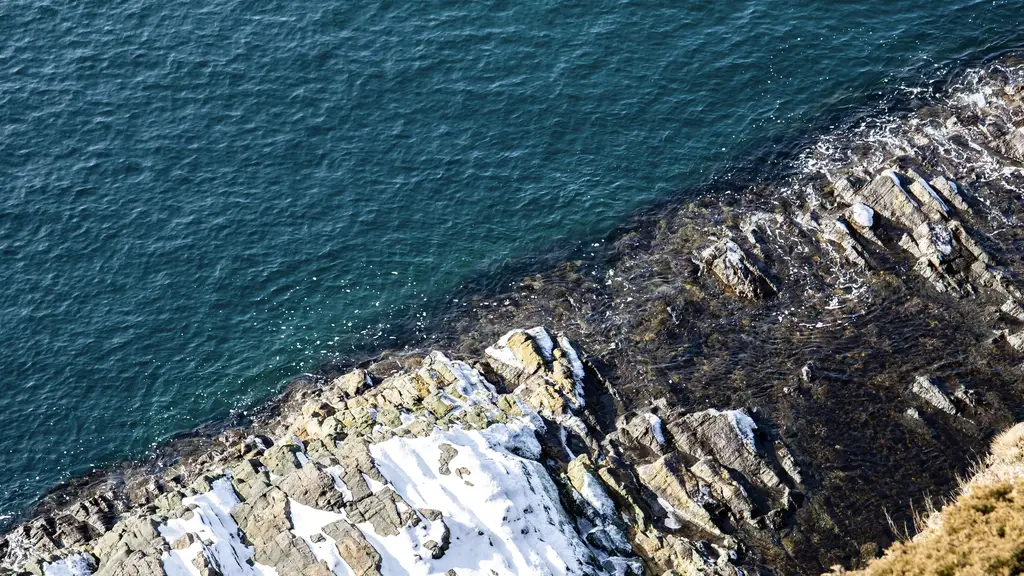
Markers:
744,383
442,467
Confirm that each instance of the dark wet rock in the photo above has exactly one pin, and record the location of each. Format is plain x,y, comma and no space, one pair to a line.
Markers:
736,270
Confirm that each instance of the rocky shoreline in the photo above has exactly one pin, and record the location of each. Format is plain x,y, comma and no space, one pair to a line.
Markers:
747,384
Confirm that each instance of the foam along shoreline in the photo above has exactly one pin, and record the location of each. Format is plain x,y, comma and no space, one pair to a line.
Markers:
745,387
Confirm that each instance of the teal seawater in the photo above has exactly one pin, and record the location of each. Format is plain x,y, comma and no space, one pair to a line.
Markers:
201,199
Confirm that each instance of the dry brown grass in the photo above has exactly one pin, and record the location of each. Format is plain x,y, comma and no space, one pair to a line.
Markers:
979,534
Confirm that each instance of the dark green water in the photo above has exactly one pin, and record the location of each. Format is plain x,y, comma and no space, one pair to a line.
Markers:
201,199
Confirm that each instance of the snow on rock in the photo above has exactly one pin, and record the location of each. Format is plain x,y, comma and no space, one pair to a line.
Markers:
337,473
407,552
308,524
594,493
744,426
543,340
862,215
217,536
74,565
470,383
656,428
578,372
502,353
896,182
505,515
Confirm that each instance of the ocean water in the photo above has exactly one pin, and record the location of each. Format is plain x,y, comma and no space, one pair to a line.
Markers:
199,200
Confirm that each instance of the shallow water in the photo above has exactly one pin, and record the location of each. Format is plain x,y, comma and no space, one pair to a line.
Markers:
201,199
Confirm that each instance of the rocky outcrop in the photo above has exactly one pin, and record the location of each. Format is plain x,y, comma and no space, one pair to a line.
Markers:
342,482
742,384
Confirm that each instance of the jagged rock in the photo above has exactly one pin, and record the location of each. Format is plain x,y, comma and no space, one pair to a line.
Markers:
205,566
932,394
734,269
352,383
250,478
951,193
438,549
728,437
313,487
318,569
886,196
354,549
136,563
680,489
517,357
123,549
547,376
838,232
430,514
184,542
356,462
582,479
379,510
282,459
263,518
644,431
448,452
286,552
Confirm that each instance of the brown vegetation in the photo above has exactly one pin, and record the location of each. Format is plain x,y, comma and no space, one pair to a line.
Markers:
979,534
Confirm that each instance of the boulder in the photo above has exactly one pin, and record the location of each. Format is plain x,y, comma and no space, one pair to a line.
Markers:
928,391
313,487
737,271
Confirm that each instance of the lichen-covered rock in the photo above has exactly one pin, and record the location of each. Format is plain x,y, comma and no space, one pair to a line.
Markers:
379,510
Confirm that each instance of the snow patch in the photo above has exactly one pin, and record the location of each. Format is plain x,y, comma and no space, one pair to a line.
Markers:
504,516
863,215
502,353
896,180
336,473
744,426
594,493
578,372
543,340
471,384
656,428
672,515
211,523
74,565
309,522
